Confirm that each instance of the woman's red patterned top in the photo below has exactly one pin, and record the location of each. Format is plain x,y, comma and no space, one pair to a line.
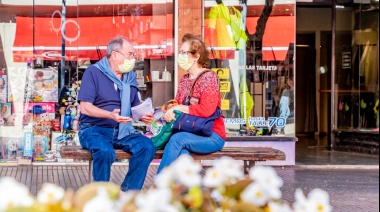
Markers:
206,90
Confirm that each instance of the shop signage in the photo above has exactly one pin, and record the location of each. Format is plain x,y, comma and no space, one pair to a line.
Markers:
225,104
223,73
225,86
261,122
51,55
258,121
346,60
259,68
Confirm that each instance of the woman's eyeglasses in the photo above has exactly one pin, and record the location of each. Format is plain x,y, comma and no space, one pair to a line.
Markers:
184,52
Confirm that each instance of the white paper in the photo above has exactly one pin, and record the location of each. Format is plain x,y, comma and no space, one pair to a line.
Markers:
142,109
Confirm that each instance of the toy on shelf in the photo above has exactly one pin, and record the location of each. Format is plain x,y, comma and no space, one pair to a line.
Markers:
14,148
69,109
40,146
55,125
39,114
2,155
3,88
42,85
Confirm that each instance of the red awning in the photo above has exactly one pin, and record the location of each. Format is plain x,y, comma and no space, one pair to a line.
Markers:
85,34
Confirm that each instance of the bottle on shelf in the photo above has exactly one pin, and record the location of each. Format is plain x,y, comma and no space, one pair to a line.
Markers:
67,120
166,75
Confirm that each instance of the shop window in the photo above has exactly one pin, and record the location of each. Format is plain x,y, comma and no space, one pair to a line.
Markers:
253,45
45,48
357,68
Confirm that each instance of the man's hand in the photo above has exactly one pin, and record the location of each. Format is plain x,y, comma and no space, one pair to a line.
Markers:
147,119
120,119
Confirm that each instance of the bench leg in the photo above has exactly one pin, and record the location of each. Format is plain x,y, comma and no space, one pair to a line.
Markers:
90,171
248,164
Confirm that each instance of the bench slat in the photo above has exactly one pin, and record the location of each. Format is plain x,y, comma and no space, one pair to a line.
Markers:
238,153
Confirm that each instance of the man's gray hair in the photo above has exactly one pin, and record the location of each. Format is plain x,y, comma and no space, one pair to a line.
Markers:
115,44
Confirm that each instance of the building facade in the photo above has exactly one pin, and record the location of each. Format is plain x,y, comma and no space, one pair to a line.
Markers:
47,45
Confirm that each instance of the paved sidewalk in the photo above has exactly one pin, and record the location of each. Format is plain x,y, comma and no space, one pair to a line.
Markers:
349,189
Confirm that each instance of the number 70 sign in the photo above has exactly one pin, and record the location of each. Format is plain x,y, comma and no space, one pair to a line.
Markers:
278,121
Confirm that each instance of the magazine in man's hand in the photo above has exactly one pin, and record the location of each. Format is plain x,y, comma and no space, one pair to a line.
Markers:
142,109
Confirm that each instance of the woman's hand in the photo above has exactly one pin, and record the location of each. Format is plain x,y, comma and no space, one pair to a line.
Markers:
169,115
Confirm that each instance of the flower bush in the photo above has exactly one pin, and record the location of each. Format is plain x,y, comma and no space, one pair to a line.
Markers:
180,187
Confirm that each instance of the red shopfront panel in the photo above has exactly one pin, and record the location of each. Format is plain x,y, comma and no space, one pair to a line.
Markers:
84,35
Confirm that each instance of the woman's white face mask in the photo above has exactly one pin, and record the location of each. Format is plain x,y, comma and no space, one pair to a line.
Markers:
184,62
127,66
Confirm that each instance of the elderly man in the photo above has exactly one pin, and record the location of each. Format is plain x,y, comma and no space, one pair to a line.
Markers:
108,91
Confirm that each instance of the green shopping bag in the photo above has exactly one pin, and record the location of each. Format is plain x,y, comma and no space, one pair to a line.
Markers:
162,131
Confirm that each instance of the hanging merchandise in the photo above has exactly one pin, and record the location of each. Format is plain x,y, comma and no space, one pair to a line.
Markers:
75,124
55,125
67,120
69,109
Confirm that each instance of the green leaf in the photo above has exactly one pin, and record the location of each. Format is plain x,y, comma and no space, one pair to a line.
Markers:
233,191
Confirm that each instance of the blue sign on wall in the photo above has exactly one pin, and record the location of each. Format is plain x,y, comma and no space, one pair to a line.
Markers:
28,144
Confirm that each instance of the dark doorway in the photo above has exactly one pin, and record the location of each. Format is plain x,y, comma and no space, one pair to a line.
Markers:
306,116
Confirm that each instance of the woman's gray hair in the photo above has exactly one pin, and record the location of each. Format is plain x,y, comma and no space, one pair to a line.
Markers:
115,44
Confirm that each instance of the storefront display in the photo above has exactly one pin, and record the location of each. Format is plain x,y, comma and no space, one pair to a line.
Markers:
250,62
255,66
51,112
42,85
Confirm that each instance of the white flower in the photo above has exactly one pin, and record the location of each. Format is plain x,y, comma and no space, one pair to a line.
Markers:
268,177
300,204
256,194
156,200
317,201
187,171
279,207
100,203
265,174
164,178
230,168
214,178
274,193
125,198
50,193
13,193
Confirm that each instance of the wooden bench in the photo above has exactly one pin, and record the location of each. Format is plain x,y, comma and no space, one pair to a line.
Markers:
247,154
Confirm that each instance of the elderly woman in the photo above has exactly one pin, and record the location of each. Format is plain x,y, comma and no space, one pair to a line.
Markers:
194,59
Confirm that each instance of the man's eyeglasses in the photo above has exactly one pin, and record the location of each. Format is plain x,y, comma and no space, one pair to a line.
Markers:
131,55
